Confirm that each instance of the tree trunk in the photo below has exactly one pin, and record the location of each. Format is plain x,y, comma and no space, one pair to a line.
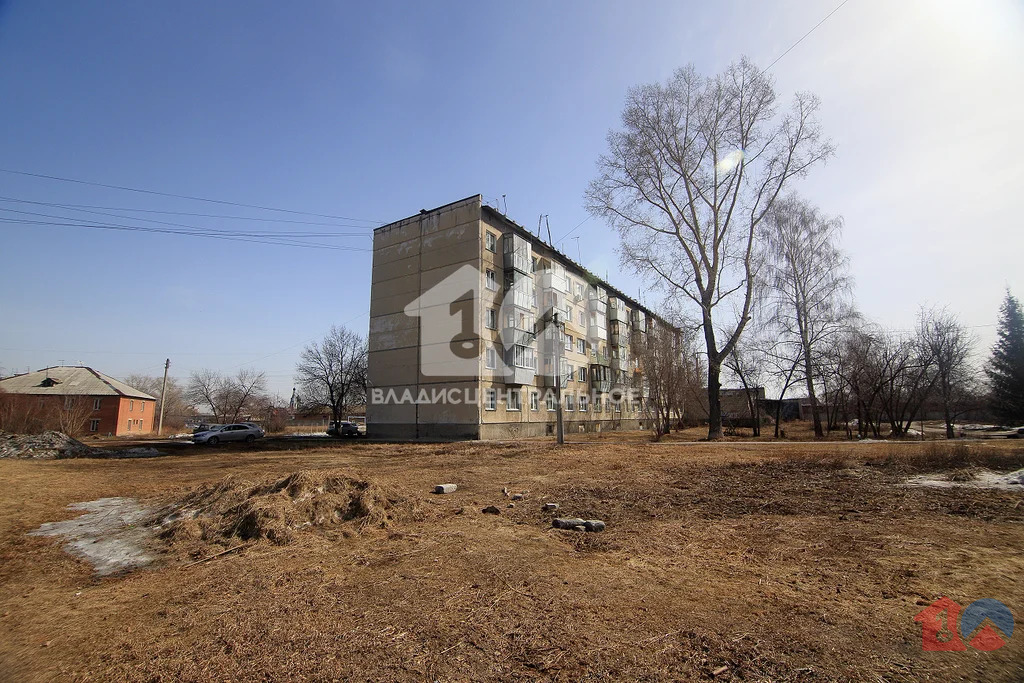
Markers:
815,411
714,400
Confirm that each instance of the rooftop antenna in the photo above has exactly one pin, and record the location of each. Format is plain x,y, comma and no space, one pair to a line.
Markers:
548,223
540,219
506,204
579,257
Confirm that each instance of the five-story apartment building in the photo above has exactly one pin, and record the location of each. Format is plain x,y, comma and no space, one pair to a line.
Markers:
477,326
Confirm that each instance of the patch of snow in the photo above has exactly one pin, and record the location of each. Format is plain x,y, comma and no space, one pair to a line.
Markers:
984,479
109,535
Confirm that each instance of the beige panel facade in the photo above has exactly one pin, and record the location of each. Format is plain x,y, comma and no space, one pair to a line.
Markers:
428,386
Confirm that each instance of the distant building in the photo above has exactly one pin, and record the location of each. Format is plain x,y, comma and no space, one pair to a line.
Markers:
103,404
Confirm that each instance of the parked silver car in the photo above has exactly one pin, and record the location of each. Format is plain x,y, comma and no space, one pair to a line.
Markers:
247,432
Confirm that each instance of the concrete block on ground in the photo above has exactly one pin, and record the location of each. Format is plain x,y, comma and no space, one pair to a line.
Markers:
445,488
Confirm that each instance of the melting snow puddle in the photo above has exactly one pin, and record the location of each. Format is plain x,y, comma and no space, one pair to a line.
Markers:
984,479
109,535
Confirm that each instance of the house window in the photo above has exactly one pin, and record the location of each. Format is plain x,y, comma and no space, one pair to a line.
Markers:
549,401
96,403
534,401
579,294
584,403
570,402
568,342
513,400
492,282
131,406
570,373
491,359
69,402
583,373
94,425
142,406
581,346
580,320
490,399
492,318
618,406
491,242
129,425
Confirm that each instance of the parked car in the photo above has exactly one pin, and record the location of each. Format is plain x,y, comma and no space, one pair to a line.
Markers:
345,428
247,432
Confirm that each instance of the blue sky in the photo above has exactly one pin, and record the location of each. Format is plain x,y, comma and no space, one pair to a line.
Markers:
376,112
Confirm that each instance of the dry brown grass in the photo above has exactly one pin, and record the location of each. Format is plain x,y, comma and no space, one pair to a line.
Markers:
780,561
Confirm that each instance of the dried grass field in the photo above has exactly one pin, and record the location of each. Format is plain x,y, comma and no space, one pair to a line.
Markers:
726,561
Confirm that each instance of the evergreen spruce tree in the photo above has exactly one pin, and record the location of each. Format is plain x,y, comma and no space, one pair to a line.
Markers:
1006,369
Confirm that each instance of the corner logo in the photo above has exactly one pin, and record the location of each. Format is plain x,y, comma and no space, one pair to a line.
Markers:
985,625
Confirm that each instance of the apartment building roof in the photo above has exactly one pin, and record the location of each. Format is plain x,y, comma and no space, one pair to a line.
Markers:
69,381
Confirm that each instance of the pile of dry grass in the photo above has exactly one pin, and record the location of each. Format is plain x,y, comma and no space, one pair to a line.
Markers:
276,510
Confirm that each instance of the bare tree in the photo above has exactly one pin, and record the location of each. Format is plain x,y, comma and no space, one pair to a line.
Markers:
689,179
331,373
661,355
176,408
950,345
228,398
746,363
808,276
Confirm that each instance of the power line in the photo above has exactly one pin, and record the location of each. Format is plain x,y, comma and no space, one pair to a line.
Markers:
188,213
184,196
66,223
182,225
813,28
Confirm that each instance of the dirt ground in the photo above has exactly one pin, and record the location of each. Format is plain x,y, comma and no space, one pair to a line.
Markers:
776,561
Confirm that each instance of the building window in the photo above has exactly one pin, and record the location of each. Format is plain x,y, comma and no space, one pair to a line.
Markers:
490,399
581,346
491,358
570,373
492,282
131,406
491,242
579,290
570,402
584,403
96,403
142,406
524,357
129,425
580,320
513,400
583,373
549,401
492,318
94,425
568,342
618,406
534,401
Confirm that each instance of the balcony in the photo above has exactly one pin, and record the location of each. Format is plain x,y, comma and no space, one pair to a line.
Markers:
600,378
518,254
617,310
514,375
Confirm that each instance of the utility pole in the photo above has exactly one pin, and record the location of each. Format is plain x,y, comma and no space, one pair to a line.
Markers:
558,382
163,396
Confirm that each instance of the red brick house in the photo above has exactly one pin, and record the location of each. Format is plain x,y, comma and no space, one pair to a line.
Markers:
98,403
